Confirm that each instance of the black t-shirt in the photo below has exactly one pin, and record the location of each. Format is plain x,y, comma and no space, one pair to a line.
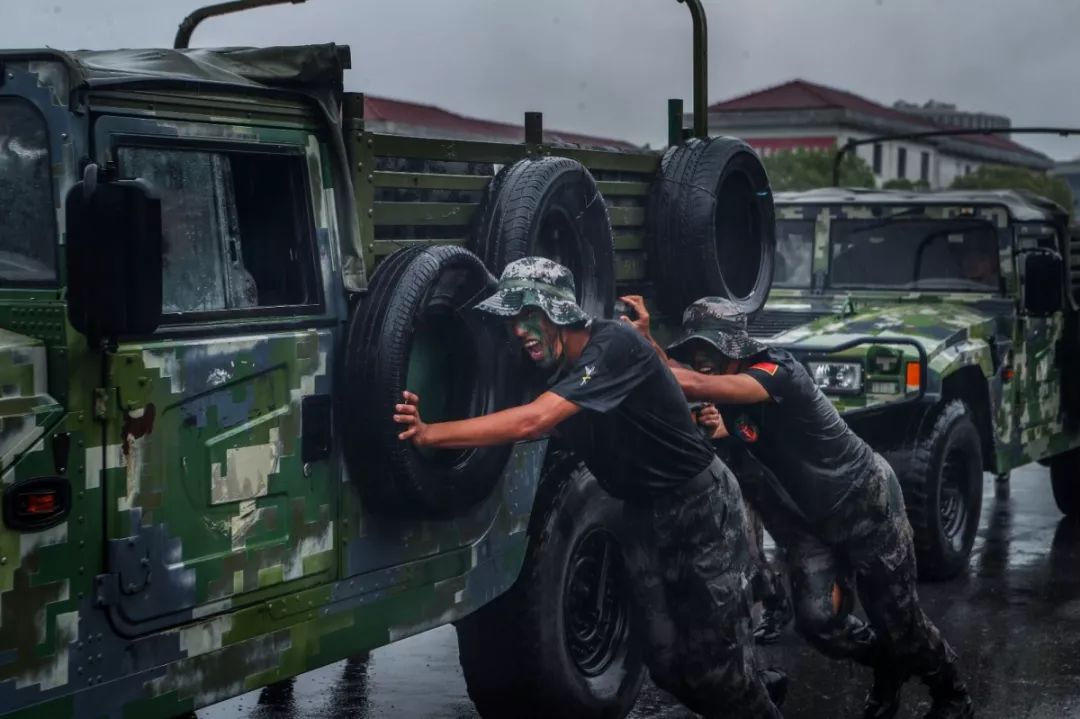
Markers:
799,437
635,432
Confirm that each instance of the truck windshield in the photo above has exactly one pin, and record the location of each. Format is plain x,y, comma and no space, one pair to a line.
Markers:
794,253
915,254
27,250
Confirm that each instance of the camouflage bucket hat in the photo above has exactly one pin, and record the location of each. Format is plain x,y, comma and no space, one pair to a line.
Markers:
536,282
719,322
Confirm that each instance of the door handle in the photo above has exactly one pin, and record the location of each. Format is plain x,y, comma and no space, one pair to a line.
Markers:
316,427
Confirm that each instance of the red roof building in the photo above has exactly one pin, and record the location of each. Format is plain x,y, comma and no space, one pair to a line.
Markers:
801,114
409,118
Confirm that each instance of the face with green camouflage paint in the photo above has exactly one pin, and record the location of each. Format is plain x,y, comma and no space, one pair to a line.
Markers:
706,359
540,337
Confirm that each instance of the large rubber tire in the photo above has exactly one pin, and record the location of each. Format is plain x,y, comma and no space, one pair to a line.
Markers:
711,226
942,478
550,207
415,330
1065,479
518,652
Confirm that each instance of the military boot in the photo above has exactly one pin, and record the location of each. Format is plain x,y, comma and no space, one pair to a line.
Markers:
772,622
883,701
775,682
950,695
776,615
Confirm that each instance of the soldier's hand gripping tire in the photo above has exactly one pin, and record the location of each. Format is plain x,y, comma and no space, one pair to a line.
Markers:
559,642
942,478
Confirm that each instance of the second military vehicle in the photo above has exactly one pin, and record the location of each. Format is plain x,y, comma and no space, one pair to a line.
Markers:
944,326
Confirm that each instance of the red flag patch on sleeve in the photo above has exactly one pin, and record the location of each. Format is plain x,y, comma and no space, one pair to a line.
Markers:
768,368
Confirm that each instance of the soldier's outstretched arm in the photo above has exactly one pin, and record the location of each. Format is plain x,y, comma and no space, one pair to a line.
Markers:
528,421
641,324
720,388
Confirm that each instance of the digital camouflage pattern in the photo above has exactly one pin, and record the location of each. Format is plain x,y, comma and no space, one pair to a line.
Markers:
971,339
536,282
718,321
205,554
688,567
25,405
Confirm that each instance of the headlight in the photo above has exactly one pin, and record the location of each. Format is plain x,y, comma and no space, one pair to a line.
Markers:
843,377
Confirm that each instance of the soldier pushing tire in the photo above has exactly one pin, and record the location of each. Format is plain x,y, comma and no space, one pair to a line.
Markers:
609,396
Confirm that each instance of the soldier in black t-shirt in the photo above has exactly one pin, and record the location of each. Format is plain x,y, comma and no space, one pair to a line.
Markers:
834,507
625,415
767,583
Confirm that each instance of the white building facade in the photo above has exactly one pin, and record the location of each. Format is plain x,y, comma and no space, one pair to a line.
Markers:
805,115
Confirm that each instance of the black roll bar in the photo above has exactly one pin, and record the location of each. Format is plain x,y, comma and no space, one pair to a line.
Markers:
697,15
188,24
701,67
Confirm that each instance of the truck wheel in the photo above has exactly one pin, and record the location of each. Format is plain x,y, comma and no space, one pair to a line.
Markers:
942,479
550,207
1065,479
558,643
415,330
711,226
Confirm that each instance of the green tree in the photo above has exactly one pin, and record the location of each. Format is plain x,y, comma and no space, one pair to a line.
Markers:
1003,177
805,169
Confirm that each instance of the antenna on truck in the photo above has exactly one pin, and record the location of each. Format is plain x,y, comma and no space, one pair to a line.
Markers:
183,33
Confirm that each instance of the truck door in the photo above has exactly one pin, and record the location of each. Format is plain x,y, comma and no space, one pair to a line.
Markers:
1038,398
219,490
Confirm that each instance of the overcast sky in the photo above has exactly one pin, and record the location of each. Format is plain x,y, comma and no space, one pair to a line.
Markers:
607,67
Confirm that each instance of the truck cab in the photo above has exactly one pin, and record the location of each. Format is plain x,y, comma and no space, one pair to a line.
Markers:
215,282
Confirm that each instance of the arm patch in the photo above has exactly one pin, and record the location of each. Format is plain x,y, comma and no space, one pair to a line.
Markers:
768,368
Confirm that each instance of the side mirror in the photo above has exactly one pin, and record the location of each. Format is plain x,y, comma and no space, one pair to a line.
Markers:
1041,292
114,252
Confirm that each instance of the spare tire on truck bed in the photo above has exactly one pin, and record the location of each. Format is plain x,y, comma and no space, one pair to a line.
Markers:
551,207
415,330
711,226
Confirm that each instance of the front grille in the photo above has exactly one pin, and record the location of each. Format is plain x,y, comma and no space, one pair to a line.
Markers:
772,323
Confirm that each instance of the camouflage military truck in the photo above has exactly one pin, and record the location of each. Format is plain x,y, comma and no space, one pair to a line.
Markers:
943,326
215,281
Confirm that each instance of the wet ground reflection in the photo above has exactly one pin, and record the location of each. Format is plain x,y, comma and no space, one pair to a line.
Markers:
1014,618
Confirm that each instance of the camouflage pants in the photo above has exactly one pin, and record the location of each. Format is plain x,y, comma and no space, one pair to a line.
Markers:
864,547
767,581
687,560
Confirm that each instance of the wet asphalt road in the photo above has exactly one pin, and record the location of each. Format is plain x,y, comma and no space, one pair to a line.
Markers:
1013,617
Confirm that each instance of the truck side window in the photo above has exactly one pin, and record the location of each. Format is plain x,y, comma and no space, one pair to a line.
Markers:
27,218
236,229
